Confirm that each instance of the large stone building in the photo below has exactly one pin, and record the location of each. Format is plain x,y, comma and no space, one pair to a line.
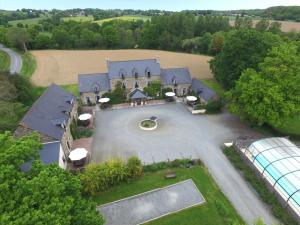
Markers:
51,116
133,75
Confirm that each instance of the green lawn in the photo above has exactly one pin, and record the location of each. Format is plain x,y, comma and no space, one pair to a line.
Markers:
213,84
216,210
79,18
72,88
4,61
28,64
290,126
127,18
28,22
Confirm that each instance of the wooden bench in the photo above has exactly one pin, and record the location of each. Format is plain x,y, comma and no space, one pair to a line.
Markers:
170,175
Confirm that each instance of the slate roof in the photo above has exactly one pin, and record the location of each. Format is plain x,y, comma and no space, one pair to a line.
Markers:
49,111
137,94
88,82
203,91
48,154
176,75
116,68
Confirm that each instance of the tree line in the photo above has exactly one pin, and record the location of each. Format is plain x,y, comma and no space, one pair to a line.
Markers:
166,32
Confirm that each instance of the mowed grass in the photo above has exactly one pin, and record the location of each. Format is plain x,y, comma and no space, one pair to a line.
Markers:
28,64
214,85
78,18
127,18
216,210
72,88
4,61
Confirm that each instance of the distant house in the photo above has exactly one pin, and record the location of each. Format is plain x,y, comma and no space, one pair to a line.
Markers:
132,74
204,93
51,116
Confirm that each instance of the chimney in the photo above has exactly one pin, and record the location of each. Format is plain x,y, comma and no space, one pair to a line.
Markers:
157,59
107,62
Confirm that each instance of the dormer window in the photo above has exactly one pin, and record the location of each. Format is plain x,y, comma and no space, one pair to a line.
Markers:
69,100
96,89
123,86
136,85
122,74
174,81
147,72
135,73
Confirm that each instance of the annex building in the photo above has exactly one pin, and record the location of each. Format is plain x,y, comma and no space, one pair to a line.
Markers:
134,76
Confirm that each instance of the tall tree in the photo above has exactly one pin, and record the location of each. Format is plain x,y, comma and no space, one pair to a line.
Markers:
242,49
272,93
18,37
46,195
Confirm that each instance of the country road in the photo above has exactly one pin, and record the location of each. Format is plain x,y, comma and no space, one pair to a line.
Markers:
15,60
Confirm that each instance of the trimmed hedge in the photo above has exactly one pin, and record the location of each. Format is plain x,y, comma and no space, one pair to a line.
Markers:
260,186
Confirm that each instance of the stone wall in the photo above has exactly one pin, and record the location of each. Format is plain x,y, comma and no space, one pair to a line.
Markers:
182,89
91,96
130,82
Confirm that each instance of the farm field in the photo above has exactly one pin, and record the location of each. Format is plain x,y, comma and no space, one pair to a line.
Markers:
78,18
286,26
62,67
127,17
27,21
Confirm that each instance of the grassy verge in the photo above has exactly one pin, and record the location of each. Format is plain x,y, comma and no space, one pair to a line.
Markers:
216,210
260,186
4,61
213,84
290,126
72,88
28,65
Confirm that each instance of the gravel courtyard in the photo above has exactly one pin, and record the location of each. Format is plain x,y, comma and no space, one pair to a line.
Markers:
179,135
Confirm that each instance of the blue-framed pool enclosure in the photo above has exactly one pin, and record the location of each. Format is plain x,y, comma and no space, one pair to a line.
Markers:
278,161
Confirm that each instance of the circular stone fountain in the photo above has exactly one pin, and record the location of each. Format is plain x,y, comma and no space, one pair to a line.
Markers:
148,124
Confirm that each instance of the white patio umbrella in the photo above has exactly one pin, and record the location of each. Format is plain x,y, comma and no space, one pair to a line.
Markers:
170,94
191,98
78,154
85,116
104,100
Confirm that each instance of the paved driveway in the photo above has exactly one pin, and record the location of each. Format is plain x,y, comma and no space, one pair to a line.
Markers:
15,60
179,135
152,204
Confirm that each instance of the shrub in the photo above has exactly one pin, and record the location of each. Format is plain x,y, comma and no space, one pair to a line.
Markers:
134,167
259,185
117,96
213,106
172,164
165,90
100,177
153,88
198,107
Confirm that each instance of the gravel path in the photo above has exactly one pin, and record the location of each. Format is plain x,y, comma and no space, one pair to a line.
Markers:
153,204
15,60
179,135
